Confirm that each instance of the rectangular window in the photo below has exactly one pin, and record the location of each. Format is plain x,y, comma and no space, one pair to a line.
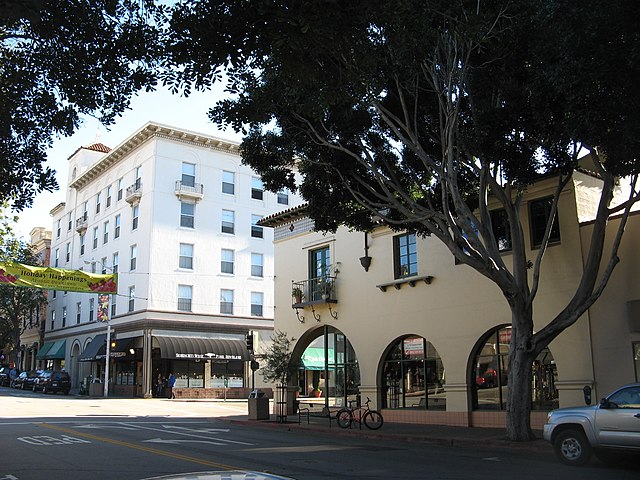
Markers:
227,261
135,210
184,297
69,221
115,260
257,188
188,174
68,253
82,242
405,255
85,211
53,319
108,202
55,293
120,188
283,197
257,265
78,312
257,300
228,221
116,231
58,228
501,230
539,212
132,298
98,195
187,214
256,230
133,252
56,258
93,267
226,302
95,237
113,306
91,308
186,256
104,265
105,232
228,182
64,317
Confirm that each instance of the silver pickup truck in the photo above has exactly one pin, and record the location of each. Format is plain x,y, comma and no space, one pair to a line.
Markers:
614,424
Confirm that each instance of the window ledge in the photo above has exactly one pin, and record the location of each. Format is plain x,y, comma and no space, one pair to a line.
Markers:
411,281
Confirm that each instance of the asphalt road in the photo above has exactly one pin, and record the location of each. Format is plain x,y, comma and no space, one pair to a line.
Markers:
62,438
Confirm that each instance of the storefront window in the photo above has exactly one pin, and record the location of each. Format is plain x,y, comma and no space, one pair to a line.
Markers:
226,374
413,376
491,372
125,373
189,373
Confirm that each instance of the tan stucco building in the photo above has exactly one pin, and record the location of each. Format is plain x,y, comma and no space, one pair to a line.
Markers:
426,339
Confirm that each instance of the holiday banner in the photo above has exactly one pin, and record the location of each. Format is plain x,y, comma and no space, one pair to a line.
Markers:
49,278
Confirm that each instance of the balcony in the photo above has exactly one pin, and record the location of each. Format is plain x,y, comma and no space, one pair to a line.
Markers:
134,193
313,291
81,224
189,190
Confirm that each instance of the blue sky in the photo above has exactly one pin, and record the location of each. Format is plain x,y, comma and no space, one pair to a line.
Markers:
160,106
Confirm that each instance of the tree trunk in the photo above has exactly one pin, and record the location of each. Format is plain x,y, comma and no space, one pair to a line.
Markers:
519,392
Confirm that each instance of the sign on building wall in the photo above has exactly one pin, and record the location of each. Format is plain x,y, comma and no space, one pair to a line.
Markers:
49,278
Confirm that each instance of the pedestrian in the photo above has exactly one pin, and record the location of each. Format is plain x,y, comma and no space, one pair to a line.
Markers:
13,373
172,382
160,386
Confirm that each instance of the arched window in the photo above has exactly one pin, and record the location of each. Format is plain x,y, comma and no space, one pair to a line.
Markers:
413,376
491,370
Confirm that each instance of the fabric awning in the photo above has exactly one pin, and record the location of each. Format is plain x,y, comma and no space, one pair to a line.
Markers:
313,358
203,348
52,350
97,349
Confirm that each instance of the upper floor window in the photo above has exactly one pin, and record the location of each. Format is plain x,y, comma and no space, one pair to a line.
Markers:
82,242
105,232
226,301
257,188
257,265
69,221
186,256
98,196
64,317
78,312
188,174
283,197
257,300
256,230
135,211
184,297
95,237
53,319
120,188
501,230
58,228
116,231
91,308
228,221
405,255
115,260
132,298
104,265
108,201
228,182
187,214
56,258
68,253
227,261
133,254
138,181
85,211
539,213
319,262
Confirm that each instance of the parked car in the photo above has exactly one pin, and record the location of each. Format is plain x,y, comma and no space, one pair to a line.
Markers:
25,380
49,381
611,426
5,376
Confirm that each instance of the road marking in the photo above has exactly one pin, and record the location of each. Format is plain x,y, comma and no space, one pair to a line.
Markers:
142,448
177,442
491,459
47,440
198,430
104,425
186,434
8,477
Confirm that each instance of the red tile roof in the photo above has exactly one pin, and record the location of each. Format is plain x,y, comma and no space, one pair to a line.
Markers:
99,147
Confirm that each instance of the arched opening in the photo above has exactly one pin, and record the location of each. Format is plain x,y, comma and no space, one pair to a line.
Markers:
413,375
490,371
328,369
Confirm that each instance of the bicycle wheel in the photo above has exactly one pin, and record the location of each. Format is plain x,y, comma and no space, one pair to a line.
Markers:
344,417
373,420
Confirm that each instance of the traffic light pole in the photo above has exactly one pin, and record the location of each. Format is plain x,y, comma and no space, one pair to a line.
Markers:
107,361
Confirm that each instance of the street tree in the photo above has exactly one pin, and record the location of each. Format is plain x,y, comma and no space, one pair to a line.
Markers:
428,115
276,358
60,60
20,307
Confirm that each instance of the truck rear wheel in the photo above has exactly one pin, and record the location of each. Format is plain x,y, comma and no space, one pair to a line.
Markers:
572,447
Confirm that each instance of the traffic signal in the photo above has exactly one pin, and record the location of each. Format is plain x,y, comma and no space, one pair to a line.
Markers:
249,338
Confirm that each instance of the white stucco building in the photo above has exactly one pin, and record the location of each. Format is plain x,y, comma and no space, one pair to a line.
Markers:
174,213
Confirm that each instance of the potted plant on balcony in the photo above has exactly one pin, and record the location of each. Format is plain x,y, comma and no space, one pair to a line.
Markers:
297,294
325,286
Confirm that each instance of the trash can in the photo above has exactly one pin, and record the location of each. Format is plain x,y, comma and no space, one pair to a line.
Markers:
258,406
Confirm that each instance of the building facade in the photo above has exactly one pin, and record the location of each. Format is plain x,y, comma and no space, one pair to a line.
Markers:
174,214
391,316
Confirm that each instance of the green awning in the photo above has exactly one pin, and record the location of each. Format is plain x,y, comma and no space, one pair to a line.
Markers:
313,358
55,351
43,351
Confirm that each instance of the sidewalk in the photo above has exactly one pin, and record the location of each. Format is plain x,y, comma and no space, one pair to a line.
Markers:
402,432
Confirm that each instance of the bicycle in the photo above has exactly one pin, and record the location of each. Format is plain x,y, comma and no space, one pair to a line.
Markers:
372,419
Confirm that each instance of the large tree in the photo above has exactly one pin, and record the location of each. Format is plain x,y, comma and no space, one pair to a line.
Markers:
427,113
59,60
